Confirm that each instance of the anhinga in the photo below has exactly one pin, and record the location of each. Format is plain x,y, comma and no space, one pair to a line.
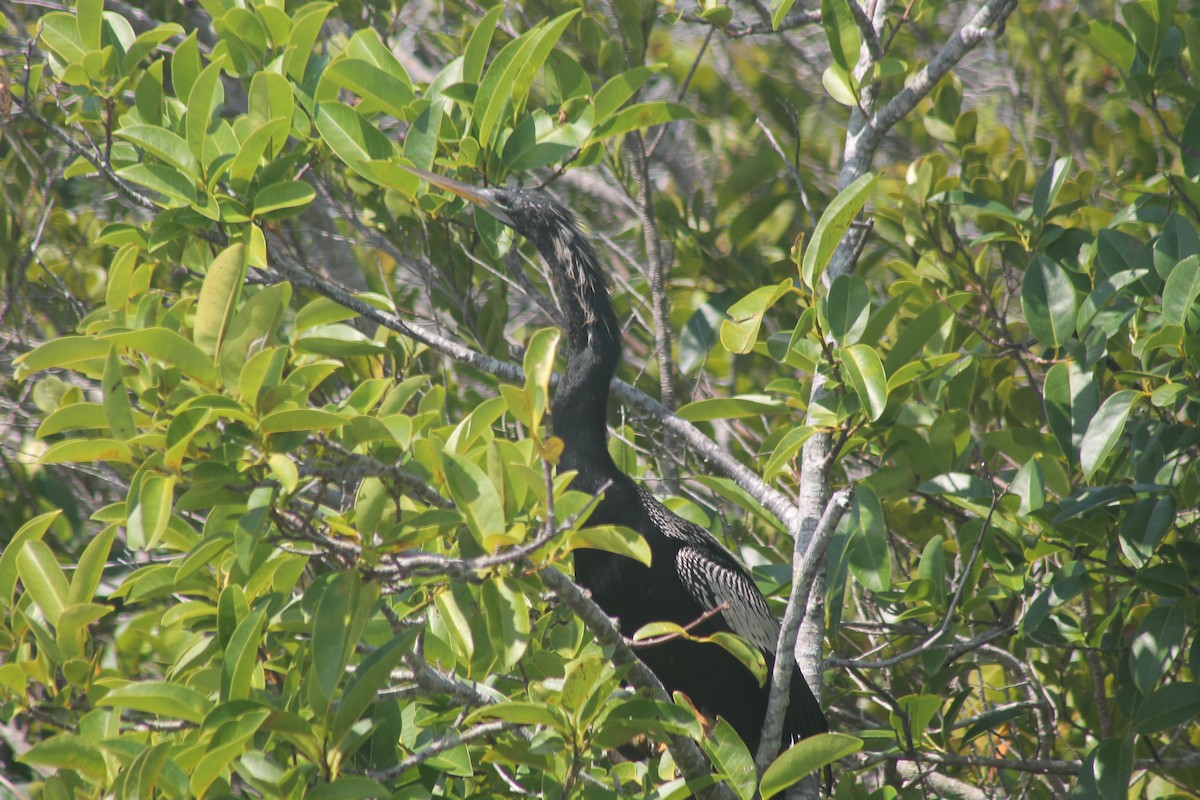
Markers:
691,574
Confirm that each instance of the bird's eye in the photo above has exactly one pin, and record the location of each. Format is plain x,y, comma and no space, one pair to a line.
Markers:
502,198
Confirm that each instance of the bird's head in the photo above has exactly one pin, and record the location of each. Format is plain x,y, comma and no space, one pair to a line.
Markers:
574,269
530,212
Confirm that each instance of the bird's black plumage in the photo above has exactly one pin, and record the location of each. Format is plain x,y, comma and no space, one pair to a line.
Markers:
691,573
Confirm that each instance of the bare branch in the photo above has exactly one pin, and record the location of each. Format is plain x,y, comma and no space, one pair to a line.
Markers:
447,742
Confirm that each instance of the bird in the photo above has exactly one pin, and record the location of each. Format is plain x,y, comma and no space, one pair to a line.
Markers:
692,580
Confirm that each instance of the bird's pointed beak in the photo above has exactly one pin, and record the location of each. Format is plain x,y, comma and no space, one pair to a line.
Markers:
464,190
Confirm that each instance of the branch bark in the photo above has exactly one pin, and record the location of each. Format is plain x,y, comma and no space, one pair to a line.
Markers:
812,561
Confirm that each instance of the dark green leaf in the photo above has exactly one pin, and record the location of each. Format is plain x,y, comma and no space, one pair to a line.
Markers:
1048,299
865,370
1157,643
1105,430
1170,706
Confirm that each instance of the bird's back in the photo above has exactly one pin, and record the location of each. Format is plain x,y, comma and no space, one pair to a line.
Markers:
692,574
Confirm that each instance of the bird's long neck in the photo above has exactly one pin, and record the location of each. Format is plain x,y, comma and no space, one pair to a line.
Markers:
580,407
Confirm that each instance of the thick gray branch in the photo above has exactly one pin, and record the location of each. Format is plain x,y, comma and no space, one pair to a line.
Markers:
807,564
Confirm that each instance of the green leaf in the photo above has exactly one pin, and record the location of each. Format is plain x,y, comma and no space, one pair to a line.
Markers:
740,331
1169,707
841,32
241,657
958,484
351,137
60,34
918,711
150,512
787,448
832,226
779,10
865,369
1048,187
639,117
1105,429
1107,770
253,326
66,751
282,200
300,419
71,631
363,687
731,408
234,740
1181,290
117,410
340,341
365,45
250,155
146,43
749,655
306,27
731,758
168,181
1029,485
172,349
455,620
1102,295
84,450
61,352
510,83
180,433
270,100
218,298
1144,525
476,496
1110,40
43,579
162,699
1157,643
33,530
522,713
185,66
539,367
848,308
611,539
379,89
165,144
331,626
90,568
75,417
1048,299
803,759
840,85
116,294
507,615
1070,397
869,558
203,100
619,88
475,54
495,88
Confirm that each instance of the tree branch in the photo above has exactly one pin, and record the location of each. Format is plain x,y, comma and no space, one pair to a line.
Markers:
686,753
806,565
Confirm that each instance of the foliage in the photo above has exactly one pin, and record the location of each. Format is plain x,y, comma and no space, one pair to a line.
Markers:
282,517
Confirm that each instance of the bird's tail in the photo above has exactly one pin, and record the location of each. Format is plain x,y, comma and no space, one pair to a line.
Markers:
804,714
805,718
